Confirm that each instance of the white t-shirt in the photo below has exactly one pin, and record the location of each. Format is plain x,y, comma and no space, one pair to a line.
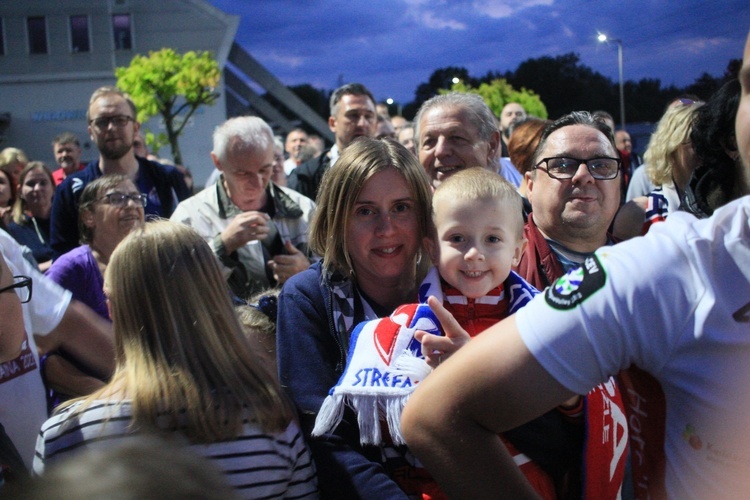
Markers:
23,405
676,303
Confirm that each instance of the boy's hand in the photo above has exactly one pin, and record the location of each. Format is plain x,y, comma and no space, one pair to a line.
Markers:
435,348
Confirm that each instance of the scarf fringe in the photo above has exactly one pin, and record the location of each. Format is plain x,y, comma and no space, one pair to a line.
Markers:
371,409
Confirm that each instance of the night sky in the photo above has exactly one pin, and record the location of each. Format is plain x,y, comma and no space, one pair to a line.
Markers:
394,45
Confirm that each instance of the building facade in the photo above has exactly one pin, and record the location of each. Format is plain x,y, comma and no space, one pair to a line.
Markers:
55,53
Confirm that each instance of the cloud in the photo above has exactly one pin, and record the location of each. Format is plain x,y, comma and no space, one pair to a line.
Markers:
417,10
287,60
499,9
430,20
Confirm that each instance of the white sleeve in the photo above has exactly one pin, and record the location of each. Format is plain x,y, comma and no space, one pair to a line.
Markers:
626,305
49,301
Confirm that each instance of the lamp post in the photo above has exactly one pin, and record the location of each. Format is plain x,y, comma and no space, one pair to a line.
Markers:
604,38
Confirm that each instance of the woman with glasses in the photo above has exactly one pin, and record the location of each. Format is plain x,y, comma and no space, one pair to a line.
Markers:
185,371
110,207
31,212
669,162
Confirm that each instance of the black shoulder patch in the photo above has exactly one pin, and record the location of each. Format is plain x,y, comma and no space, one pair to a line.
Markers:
577,285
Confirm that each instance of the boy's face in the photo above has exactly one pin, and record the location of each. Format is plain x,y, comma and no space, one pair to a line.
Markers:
477,243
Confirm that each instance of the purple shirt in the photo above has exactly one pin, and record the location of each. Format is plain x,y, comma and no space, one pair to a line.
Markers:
78,272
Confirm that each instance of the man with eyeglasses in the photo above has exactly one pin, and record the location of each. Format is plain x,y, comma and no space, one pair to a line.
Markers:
574,193
32,303
113,128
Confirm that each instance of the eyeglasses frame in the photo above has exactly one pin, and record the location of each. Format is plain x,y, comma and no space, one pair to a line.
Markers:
579,161
26,281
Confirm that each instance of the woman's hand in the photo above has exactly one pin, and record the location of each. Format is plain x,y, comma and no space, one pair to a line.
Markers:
435,348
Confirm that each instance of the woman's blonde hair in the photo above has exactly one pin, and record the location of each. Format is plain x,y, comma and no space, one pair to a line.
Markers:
19,206
340,189
182,358
9,156
673,129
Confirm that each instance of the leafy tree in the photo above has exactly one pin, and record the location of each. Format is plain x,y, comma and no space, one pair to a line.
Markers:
564,84
171,85
499,92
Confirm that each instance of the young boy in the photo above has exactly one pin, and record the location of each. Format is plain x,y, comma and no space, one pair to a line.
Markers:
478,238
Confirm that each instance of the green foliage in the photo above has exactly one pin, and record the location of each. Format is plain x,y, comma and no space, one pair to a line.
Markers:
171,85
499,92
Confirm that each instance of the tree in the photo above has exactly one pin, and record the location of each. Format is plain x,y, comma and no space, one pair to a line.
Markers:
499,92
171,85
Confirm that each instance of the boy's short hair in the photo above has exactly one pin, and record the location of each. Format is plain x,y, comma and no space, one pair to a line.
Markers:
480,184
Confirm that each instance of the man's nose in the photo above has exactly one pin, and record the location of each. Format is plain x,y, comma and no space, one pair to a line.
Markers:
583,175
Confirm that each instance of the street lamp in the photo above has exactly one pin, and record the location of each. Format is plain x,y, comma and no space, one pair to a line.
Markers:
604,38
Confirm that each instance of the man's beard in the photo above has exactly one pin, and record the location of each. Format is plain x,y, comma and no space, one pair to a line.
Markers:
113,152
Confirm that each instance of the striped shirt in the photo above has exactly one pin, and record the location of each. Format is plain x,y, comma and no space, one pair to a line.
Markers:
257,464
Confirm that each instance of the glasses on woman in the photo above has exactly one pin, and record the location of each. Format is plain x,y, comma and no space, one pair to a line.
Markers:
118,199
23,285
564,167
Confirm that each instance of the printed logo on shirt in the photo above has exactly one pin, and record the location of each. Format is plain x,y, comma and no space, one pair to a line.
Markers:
24,363
577,285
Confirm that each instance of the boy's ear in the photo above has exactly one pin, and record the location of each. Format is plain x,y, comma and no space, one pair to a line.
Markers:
518,252
433,248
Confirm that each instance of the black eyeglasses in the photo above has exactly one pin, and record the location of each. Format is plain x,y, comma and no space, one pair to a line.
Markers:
564,167
119,199
23,285
118,121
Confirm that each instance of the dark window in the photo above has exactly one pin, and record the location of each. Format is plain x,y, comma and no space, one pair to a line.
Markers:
2,38
121,29
79,34
37,28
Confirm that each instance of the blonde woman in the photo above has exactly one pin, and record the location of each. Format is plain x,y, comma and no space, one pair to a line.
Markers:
669,163
370,226
185,370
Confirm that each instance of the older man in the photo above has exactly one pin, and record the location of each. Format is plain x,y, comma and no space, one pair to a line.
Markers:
257,229
353,114
455,131
67,151
680,314
113,127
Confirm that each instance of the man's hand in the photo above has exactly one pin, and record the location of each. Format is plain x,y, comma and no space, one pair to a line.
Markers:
284,267
245,227
437,349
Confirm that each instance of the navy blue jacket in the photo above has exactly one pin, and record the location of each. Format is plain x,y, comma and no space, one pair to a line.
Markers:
164,185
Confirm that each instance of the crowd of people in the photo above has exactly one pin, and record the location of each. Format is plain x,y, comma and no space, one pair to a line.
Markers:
439,308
